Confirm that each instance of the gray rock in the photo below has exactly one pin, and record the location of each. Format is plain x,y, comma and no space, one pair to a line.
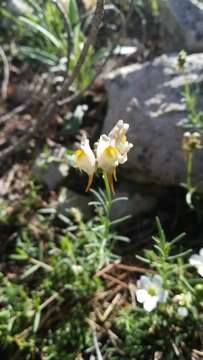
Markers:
49,176
138,201
51,167
75,201
149,98
181,24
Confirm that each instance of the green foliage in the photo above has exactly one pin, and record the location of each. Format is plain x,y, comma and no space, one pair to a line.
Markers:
163,330
45,303
46,293
145,334
73,12
161,258
195,116
39,32
190,96
50,36
51,296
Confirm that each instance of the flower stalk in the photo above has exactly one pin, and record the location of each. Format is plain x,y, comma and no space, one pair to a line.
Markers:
189,171
108,190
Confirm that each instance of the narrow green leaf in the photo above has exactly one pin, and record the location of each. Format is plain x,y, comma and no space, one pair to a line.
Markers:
30,271
118,221
177,238
36,321
119,199
73,12
142,259
121,238
42,30
184,253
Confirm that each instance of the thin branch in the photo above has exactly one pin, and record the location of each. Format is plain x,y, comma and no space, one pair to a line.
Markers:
4,88
76,97
6,117
96,344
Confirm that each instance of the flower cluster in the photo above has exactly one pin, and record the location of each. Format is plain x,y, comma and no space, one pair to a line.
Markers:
109,152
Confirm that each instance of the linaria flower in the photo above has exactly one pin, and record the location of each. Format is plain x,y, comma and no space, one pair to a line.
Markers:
110,151
197,261
85,160
107,157
118,135
150,292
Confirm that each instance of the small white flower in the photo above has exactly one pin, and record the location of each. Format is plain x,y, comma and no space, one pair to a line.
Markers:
197,261
150,292
184,301
64,168
182,311
84,159
77,269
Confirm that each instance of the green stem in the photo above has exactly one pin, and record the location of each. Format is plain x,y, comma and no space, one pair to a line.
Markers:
108,190
189,171
107,221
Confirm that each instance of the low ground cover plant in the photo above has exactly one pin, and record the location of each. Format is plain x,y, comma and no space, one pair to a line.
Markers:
67,291
52,277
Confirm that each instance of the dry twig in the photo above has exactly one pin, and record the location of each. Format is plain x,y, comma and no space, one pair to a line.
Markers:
4,87
49,110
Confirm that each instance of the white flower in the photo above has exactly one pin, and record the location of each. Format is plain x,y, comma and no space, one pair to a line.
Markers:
107,154
77,269
184,301
150,292
197,261
118,135
182,311
112,150
107,157
64,168
84,159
